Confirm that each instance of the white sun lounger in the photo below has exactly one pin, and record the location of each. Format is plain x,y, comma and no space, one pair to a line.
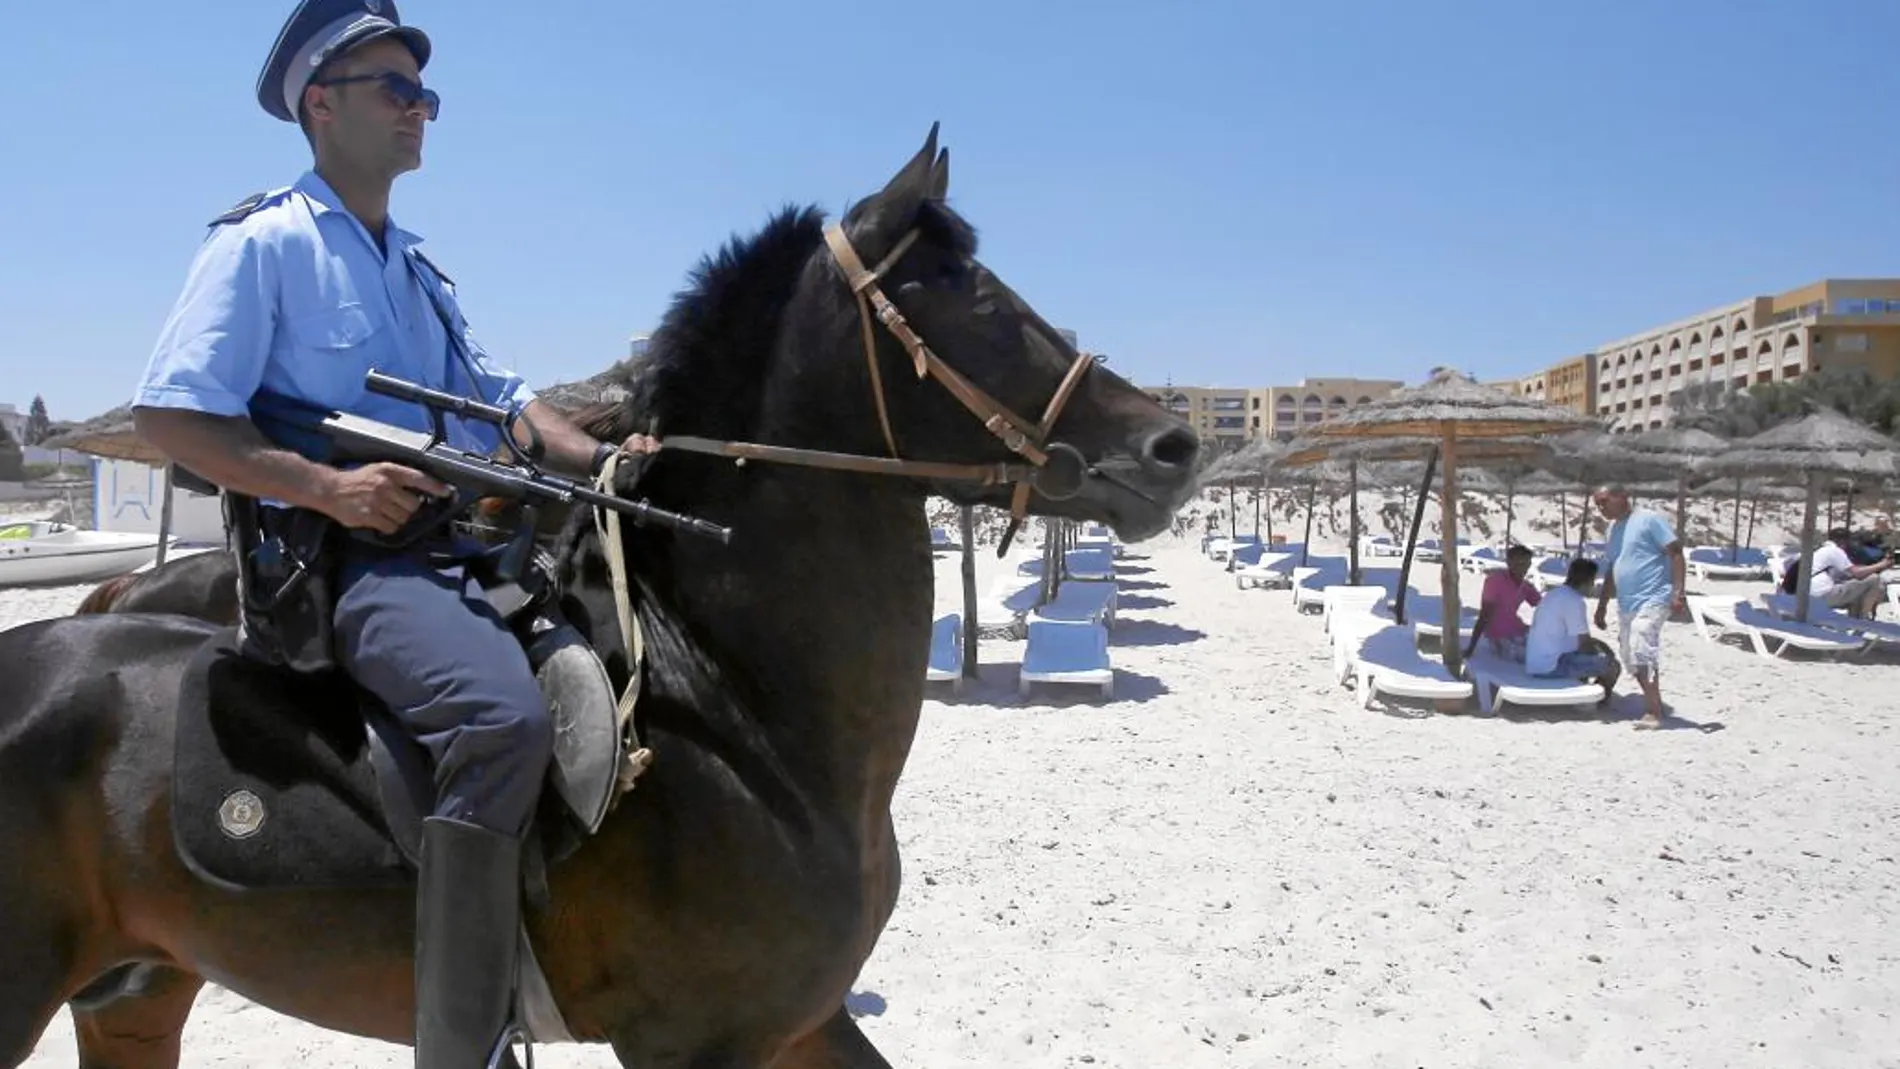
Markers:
1082,601
1714,562
1010,597
1764,630
1425,615
1385,660
1218,548
1550,572
1783,605
1066,651
1089,564
1311,580
1339,600
946,652
1379,546
1480,560
1273,569
1499,681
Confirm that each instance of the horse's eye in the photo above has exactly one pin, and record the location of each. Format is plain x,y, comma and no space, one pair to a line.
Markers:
984,308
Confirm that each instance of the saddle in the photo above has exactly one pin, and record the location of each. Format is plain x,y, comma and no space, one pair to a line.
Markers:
285,778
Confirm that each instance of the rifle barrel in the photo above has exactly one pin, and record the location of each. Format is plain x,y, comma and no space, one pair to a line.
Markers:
404,390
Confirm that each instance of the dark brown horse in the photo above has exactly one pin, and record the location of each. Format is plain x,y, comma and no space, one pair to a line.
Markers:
203,585
720,915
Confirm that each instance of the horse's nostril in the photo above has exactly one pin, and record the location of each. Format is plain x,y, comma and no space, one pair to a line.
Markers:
1175,448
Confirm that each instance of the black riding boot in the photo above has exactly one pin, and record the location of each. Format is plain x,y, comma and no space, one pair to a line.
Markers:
468,927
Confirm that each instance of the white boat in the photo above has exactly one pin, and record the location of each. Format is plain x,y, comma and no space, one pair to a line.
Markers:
45,553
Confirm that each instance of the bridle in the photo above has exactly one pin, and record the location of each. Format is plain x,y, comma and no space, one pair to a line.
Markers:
1054,469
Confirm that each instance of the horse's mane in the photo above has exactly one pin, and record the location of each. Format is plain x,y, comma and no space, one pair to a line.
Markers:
704,373
704,366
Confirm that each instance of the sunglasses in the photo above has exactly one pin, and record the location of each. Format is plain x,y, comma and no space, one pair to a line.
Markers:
406,94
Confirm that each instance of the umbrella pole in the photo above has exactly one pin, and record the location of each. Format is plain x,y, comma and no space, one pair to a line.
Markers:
1233,517
1510,504
1735,535
1312,492
1352,513
1259,493
1682,512
1266,491
966,522
1807,547
1753,504
1453,640
165,520
1563,518
1583,525
1411,540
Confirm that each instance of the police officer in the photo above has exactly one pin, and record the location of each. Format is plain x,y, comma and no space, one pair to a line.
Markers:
301,291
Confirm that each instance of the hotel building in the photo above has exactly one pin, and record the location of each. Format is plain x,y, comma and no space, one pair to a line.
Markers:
1228,417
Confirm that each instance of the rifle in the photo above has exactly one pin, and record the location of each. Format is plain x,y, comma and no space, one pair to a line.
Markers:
335,437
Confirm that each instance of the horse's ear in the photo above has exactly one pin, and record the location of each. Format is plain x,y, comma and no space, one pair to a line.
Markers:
940,177
895,206
915,178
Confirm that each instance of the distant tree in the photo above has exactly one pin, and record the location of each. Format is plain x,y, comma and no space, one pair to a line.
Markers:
1732,413
38,426
12,462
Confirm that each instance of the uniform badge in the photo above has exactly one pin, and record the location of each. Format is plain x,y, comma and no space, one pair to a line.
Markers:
241,814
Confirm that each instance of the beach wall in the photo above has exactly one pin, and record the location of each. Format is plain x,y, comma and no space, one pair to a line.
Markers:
129,497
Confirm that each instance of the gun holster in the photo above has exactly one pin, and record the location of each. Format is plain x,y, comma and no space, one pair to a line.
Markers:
287,561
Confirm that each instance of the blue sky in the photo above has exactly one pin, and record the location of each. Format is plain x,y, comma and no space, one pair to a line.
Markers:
1220,193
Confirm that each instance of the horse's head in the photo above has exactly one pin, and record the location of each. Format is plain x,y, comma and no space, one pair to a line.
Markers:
963,372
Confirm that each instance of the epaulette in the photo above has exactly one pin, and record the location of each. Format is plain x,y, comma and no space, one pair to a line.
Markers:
242,210
439,273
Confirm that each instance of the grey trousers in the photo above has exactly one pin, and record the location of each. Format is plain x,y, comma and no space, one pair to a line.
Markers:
418,634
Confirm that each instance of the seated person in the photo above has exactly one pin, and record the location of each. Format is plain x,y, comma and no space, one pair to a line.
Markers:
1559,645
1839,583
1498,621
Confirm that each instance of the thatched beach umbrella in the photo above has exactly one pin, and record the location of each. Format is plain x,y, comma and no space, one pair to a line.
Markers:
1250,463
1819,446
1456,411
1396,456
1680,452
114,436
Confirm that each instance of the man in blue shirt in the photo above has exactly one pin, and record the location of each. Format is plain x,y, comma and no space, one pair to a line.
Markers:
300,292
1646,573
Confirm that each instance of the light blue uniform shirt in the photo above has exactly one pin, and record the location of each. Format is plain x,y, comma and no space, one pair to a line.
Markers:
1639,561
298,298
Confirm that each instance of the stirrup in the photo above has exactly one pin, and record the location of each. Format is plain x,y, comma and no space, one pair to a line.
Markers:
503,1056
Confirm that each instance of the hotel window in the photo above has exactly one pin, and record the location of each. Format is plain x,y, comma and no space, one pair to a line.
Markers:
1870,306
1850,343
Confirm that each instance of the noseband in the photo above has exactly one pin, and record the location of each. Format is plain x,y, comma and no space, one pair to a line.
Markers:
1054,469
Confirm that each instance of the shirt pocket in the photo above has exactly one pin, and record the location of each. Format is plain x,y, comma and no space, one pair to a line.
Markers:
332,351
346,326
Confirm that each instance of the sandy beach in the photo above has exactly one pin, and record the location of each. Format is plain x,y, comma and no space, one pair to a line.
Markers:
1233,865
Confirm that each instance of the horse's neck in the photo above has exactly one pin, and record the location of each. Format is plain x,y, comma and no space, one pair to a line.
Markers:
817,616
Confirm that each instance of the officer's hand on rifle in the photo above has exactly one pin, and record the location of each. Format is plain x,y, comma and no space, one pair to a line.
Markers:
379,496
